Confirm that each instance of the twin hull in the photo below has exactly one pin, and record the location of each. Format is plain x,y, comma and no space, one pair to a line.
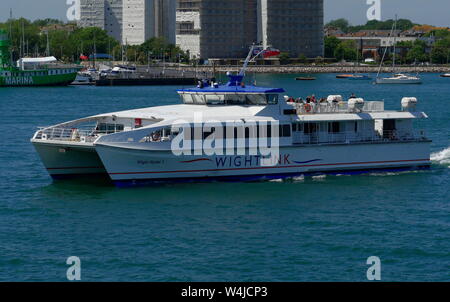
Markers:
69,161
130,166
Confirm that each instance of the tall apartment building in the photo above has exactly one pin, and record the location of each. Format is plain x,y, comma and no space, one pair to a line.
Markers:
92,13
113,18
131,21
137,21
226,29
293,26
216,29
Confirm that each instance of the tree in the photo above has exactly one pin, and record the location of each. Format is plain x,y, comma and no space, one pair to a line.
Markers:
417,52
331,43
284,58
346,51
440,51
341,24
302,58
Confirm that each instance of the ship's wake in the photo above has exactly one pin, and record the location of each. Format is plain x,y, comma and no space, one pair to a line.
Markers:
441,157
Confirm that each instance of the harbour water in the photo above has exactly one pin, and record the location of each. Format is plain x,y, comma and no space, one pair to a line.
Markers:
314,229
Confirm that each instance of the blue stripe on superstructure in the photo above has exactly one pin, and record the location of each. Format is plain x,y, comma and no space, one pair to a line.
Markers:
238,89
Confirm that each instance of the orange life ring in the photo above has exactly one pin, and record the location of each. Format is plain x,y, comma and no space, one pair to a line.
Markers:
308,107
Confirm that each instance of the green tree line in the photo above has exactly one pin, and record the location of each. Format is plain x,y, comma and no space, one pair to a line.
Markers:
67,42
409,52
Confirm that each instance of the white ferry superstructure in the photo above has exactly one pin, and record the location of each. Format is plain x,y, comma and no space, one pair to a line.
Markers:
236,132
332,136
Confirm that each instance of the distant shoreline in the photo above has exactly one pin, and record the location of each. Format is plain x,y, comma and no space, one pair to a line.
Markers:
322,69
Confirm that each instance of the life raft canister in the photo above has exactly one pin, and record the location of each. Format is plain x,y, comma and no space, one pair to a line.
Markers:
307,107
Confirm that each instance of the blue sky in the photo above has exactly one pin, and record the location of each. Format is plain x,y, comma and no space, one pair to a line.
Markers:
434,12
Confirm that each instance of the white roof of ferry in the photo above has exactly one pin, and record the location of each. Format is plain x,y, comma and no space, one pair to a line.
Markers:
221,113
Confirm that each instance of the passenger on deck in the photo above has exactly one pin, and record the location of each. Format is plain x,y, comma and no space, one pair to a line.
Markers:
323,100
313,98
299,101
353,96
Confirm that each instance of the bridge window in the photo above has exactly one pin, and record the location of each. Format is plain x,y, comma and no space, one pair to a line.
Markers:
109,128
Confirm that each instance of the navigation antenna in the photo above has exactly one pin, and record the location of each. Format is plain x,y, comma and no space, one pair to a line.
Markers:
250,58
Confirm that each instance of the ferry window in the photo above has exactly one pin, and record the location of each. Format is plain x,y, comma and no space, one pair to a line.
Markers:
235,99
310,128
109,128
356,126
272,99
297,127
208,133
256,99
198,99
187,99
285,130
213,99
333,127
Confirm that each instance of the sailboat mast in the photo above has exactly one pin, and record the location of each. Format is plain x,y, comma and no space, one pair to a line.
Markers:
395,41
385,51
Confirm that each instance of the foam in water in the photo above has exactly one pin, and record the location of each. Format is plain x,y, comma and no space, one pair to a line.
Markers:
442,157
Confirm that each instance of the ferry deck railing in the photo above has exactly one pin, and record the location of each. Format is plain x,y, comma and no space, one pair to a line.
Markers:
87,134
334,107
355,137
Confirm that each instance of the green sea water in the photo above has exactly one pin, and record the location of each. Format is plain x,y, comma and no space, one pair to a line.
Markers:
305,229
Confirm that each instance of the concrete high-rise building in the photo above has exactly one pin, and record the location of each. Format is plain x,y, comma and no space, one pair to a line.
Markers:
137,21
293,26
113,18
92,13
145,19
131,21
165,14
226,29
216,29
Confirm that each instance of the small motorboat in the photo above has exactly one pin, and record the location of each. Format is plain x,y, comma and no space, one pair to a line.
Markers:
445,75
344,76
305,78
359,77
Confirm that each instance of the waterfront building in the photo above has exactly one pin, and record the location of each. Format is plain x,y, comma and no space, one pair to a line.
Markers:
130,21
225,29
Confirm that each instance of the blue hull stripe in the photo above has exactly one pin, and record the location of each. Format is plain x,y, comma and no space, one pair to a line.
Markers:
249,178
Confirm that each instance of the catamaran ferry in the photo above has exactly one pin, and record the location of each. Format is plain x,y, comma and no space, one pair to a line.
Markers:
237,132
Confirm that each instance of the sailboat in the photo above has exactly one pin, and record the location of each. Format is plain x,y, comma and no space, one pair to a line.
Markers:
396,78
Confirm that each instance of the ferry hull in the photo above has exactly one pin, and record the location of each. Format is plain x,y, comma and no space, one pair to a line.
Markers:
133,167
32,81
64,161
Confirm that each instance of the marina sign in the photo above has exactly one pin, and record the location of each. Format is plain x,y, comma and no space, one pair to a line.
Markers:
19,81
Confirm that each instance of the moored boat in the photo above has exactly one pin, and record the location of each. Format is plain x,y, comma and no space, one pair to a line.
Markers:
399,78
32,71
